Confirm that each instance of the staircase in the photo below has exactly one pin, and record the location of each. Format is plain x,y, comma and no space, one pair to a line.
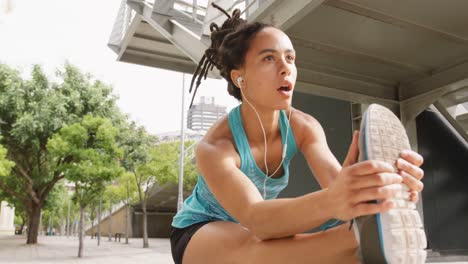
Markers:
454,107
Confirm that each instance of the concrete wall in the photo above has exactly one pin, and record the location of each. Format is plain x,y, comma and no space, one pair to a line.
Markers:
118,223
159,224
445,195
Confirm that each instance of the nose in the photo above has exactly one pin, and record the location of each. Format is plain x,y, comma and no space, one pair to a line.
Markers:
285,67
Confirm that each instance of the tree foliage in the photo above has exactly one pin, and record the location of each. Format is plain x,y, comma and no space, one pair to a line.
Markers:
5,164
32,111
93,154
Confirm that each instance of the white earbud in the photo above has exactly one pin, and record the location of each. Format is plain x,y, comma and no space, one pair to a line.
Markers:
239,81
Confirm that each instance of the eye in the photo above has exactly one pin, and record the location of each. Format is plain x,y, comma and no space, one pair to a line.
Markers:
290,57
268,58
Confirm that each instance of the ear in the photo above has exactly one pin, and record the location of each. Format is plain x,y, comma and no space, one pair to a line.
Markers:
235,73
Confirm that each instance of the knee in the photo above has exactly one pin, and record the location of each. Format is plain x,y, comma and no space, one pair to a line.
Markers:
249,250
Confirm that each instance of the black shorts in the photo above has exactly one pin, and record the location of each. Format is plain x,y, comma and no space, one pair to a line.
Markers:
180,238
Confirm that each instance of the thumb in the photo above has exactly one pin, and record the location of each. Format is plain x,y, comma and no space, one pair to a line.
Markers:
353,152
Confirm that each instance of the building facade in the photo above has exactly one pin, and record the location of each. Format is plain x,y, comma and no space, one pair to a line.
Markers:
204,114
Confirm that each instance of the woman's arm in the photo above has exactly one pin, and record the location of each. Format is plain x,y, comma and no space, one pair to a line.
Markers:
313,144
218,162
239,196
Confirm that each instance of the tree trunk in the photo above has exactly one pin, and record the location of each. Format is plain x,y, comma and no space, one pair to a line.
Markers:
127,214
80,232
145,226
21,228
33,226
99,222
110,223
23,222
62,227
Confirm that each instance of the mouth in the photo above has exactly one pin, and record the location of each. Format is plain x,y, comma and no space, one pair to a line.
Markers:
285,88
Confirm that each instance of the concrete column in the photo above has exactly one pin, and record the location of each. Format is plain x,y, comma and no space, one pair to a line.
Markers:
7,217
12,218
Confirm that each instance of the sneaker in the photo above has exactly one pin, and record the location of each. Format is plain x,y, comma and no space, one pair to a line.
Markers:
396,236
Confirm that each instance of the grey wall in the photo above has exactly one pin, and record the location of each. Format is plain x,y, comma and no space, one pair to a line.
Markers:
159,224
445,194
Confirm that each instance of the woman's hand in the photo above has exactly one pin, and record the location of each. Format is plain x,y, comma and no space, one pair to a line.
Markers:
409,168
359,183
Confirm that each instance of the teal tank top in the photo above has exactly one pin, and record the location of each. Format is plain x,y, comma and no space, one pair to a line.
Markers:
201,205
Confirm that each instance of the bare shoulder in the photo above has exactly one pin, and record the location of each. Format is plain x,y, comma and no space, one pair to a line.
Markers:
217,144
306,128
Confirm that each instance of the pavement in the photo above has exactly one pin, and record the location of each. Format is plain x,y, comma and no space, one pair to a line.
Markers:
58,249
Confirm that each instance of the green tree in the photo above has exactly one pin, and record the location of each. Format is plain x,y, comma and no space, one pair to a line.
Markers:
5,165
94,160
126,192
54,210
159,170
137,144
32,111
5,169
92,211
111,198
162,168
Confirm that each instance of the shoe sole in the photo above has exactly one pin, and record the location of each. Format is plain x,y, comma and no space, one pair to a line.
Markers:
396,236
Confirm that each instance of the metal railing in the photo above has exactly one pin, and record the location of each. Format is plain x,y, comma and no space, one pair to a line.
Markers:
124,17
196,10
454,107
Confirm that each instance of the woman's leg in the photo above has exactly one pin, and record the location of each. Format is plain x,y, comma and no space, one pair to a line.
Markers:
224,242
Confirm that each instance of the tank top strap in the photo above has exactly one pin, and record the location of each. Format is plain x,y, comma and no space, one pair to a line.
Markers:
238,132
284,126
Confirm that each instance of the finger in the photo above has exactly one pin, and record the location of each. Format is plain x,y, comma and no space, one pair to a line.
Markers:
412,157
414,196
370,167
373,180
413,183
377,193
353,151
372,208
411,169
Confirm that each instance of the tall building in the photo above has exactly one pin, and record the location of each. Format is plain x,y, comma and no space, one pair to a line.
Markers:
204,114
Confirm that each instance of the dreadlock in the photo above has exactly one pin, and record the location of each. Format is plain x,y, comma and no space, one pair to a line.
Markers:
229,44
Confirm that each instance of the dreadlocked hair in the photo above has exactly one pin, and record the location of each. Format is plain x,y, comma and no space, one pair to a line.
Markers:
229,44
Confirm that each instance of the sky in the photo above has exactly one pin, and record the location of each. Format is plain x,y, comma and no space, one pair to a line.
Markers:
51,32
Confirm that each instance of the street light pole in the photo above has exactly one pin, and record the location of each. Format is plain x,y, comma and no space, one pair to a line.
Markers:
99,221
180,199
68,216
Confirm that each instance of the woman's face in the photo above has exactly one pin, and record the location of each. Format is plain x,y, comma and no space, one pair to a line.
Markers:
269,70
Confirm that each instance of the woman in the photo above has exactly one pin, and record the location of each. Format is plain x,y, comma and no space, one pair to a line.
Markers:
232,215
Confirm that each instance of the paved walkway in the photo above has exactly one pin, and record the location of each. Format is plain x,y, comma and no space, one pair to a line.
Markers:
56,249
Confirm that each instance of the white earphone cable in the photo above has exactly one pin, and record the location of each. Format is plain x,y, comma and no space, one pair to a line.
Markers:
265,142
